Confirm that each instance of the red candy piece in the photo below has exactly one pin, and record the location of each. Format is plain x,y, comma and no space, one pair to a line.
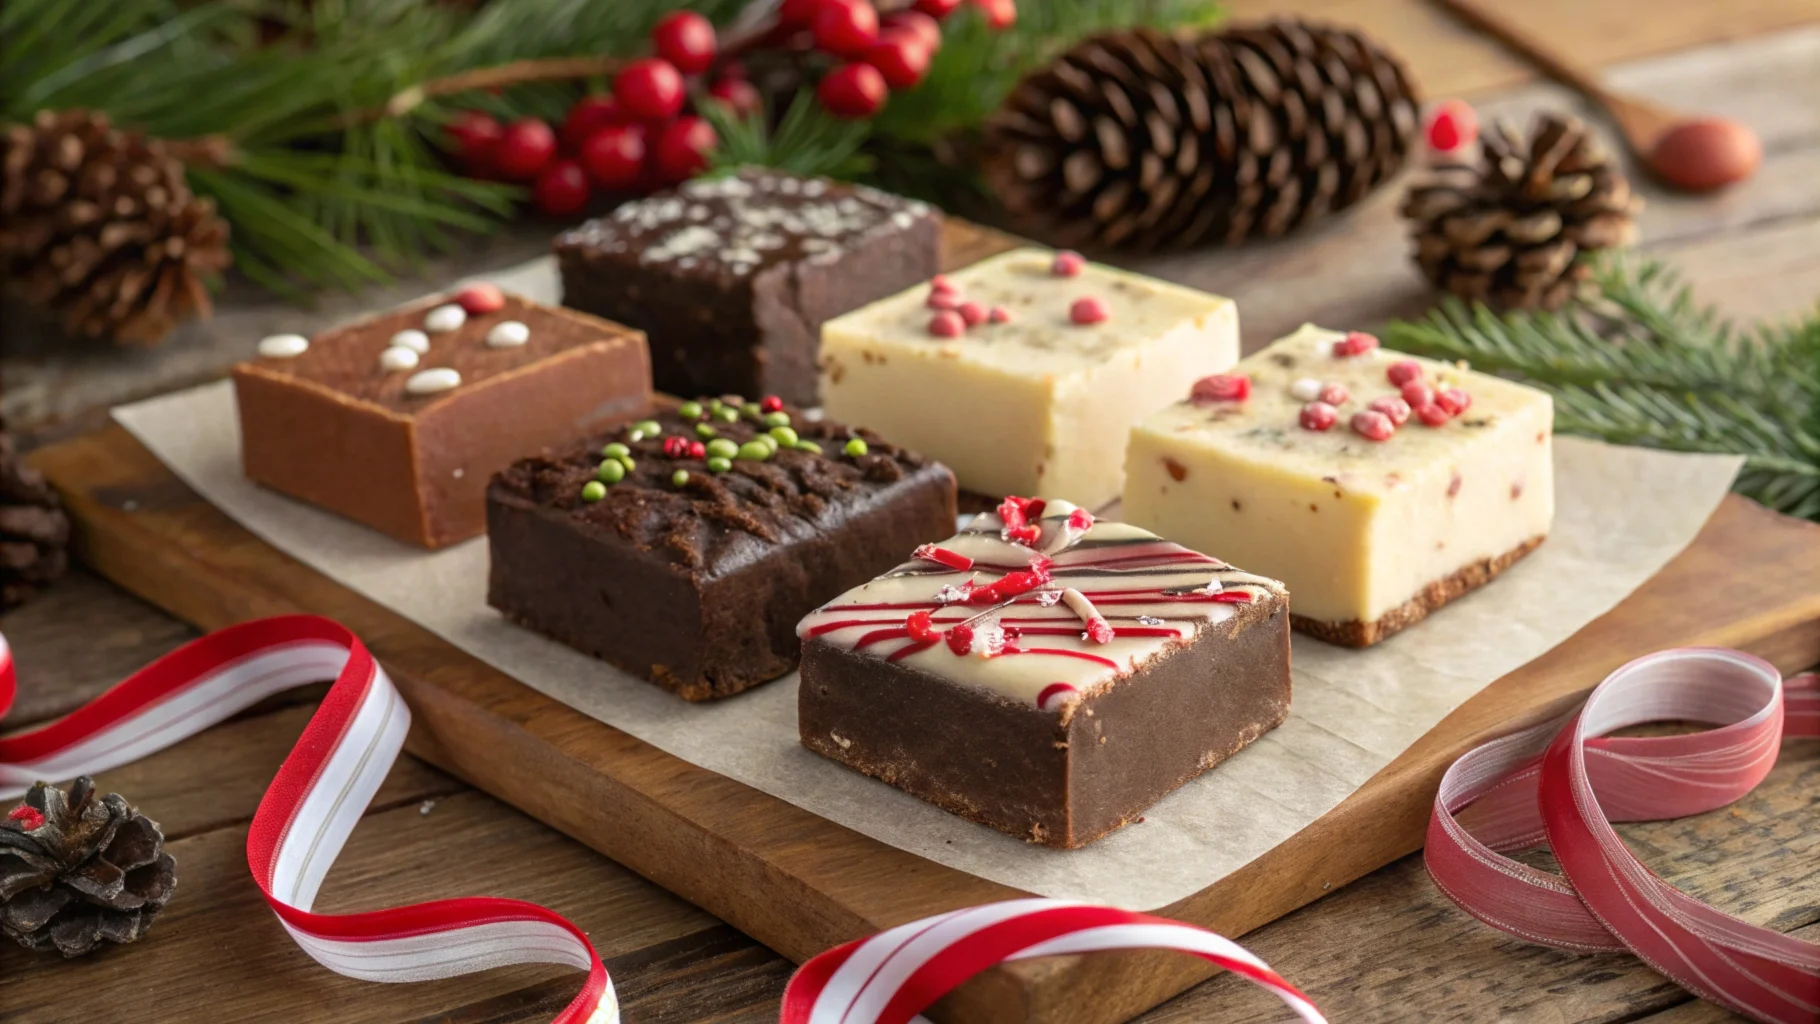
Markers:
28,817
1454,400
1432,415
943,299
1401,373
1395,408
1088,310
1372,425
960,639
947,324
942,556
852,91
1418,394
1068,263
1221,387
973,313
1452,124
771,403
650,88
685,39
481,298
1080,520
1319,416
1012,584
526,148
561,190
1016,513
676,447
844,27
1099,631
921,626
999,315
1356,343
1335,394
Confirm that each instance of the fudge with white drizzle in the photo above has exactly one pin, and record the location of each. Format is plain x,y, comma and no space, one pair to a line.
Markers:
1377,486
1046,673
733,276
397,421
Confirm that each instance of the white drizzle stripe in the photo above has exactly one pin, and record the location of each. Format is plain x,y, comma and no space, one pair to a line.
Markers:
1120,571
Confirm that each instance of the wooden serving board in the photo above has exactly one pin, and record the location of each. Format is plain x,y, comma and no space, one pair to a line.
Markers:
801,884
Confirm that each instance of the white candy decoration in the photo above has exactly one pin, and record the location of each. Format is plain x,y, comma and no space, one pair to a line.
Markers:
413,339
443,319
429,382
1306,389
397,358
284,346
508,334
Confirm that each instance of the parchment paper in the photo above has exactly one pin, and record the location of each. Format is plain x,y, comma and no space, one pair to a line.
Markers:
1622,513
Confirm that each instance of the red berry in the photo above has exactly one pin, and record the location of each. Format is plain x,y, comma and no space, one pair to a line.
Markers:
1221,387
973,313
1068,263
685,39
915,23
1373,426
562,189
852,91
1000,14
947,324
682,150
902,59
798,13
481,298
1395,408
698,450
1432,415
771,403
474,137
738,95
589,115
614,155
845,27
937,9
1319,416
526,149
1335,394
999,315
1454,400
1418,394
1451,125
1403,371
1088,310
650,88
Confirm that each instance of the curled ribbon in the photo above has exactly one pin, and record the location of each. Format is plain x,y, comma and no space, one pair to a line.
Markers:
1564,782
324,786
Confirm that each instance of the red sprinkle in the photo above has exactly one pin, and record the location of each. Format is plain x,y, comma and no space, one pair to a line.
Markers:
771,403
1401,373
921,627
1221,387
1012,584
28,817
999,315
676,447
1017,514
1395,408
1088,310
1319,416
1454,400
1068,263
1099,631
960,639
1080,519
484,297
1432,415
697,450
1418,394
1373,426
942,556
947,324
1356,343
973,313
1336,394
943,300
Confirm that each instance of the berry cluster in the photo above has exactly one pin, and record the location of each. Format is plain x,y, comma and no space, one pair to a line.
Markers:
1432,404
954,312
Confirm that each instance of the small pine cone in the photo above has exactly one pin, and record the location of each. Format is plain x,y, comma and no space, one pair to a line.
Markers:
99,226
34,531
78,872
1511,230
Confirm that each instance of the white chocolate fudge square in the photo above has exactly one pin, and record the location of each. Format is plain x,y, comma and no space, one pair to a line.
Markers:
1037,404
1369,535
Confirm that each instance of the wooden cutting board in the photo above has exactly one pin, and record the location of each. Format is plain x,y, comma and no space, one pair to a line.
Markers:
801,884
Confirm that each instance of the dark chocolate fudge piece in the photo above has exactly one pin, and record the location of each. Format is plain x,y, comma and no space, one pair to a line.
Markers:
733,277
398,421
685,548
1051,678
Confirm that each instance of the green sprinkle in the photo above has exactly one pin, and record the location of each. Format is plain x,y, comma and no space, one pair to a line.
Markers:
753,411
650,428
855,448
634,435
784,436
723,448
727,414
720,463
808,446
777,419
753,451
705,430
616,451
611,472
593,490
680,477
689,410
626,461
768,441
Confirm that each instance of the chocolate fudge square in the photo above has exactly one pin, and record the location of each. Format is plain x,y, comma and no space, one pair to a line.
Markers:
686,548
1046,674
396,424
733,277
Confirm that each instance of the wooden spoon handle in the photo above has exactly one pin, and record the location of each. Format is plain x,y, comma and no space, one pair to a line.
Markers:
1543,55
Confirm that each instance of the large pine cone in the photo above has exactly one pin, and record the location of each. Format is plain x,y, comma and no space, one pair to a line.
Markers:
34,531
1141,140
78,872
1510,231
99,226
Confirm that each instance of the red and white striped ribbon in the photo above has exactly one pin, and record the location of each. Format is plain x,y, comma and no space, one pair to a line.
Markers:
1564,782
324,786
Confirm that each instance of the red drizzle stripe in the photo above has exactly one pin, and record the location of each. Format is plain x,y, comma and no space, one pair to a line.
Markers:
909,649
880,636
1058,652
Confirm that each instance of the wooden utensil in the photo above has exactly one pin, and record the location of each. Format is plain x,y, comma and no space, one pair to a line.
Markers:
1689,152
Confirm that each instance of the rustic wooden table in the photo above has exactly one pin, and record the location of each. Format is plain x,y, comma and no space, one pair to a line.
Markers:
1387,948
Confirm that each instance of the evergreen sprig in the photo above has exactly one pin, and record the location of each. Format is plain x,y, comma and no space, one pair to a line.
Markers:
1644,362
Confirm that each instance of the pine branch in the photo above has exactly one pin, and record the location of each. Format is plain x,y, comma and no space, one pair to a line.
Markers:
807,140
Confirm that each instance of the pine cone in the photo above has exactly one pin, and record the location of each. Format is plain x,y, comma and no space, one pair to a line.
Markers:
1141,140
99,226
77,872
34,531
1510,231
